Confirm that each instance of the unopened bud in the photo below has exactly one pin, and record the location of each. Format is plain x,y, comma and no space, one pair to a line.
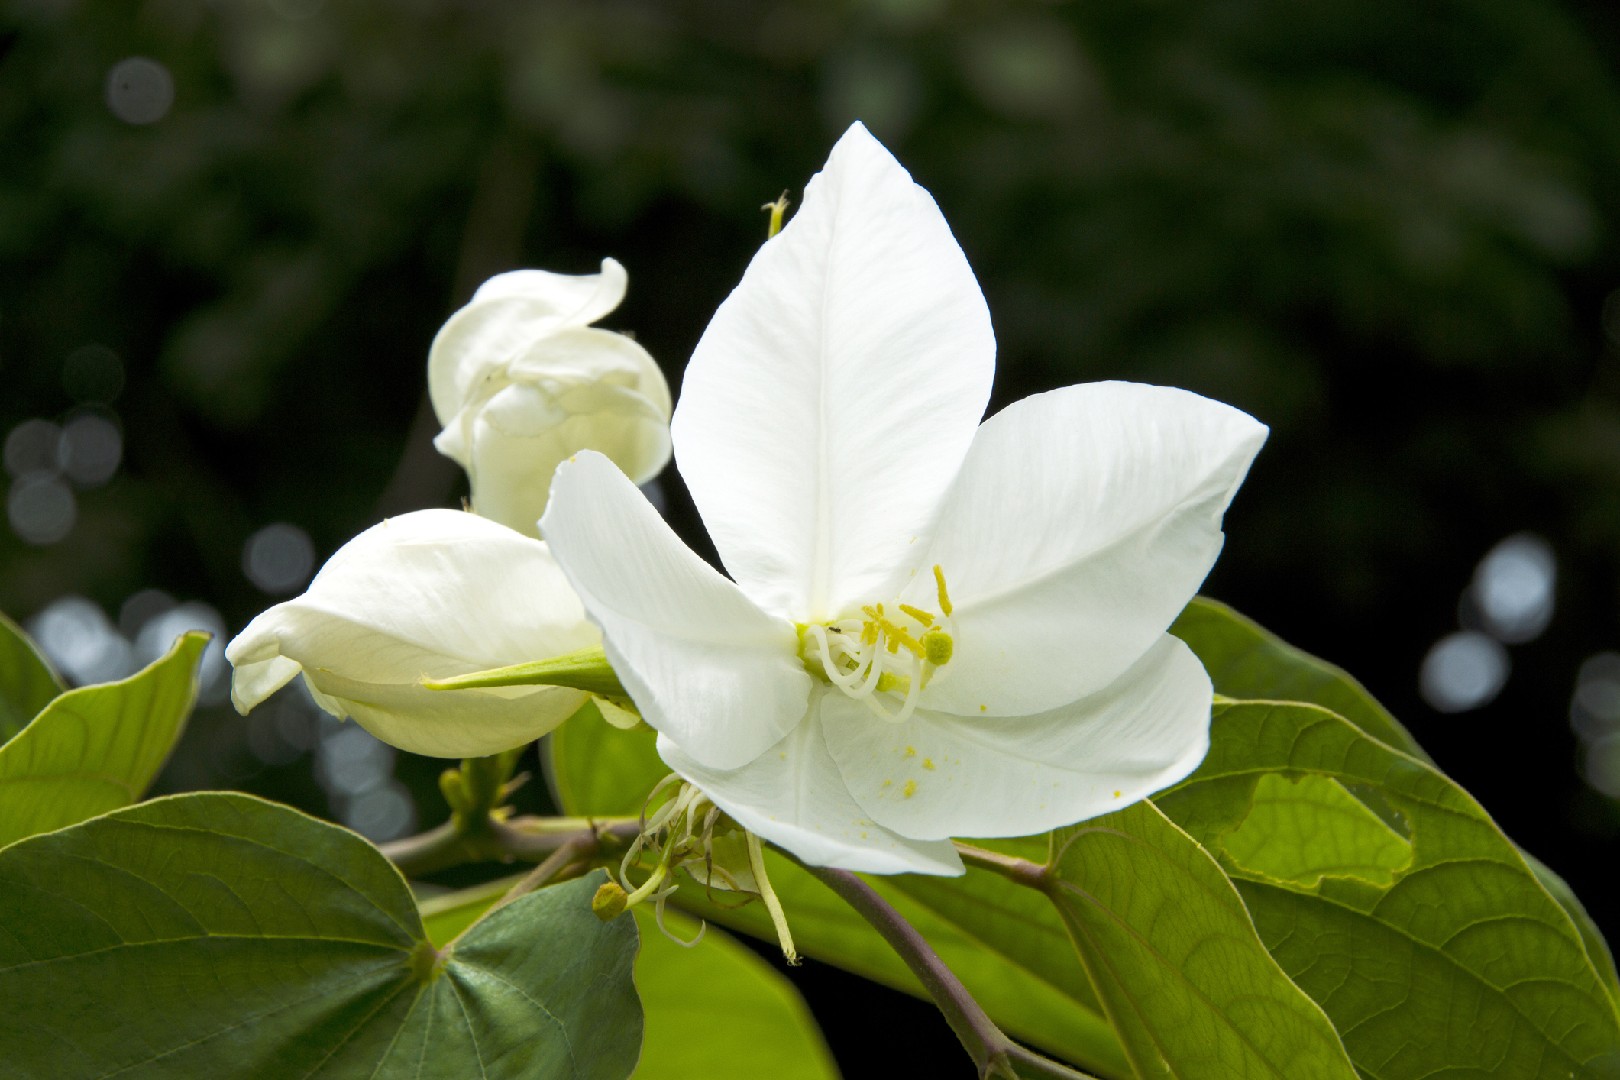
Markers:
609,901
455,791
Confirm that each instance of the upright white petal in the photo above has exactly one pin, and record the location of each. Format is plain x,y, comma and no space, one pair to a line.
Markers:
833,395
705,666
433,593
939,775
507,315
1082,522
793,796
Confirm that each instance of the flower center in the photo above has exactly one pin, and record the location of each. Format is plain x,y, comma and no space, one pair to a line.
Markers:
882,656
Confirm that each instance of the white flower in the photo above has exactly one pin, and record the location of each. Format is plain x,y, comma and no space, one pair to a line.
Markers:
1018,675
434,593
520,380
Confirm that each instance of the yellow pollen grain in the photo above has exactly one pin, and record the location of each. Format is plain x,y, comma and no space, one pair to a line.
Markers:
984,708
888,783
909,790
928,763
1116,794
911,751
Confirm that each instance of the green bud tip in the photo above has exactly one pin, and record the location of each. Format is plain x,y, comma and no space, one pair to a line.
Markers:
609,901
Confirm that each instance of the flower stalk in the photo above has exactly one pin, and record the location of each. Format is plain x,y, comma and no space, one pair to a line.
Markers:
992,1051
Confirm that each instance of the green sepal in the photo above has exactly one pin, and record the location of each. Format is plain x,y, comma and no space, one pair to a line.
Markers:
587,669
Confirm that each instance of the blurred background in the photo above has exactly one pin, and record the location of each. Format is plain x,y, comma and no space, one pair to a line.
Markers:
229,231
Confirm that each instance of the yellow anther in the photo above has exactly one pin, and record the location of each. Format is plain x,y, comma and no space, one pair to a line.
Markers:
918,613
944,597
937,647
869,632
898,636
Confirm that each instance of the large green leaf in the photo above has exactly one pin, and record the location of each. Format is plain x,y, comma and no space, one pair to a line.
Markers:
97,748
717,1009
768,1030
27,682
1248,662
1244,660
1458,963
1005,942
1190,988
222,935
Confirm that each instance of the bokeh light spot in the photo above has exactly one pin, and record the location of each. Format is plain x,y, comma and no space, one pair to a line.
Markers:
139,90
31,447
81,641
279,558
1594,710
1463,671
156,636
1514,588
41,509
90,450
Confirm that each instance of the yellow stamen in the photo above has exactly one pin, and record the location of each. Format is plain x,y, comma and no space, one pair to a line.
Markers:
944,597
777,209
756,863
918,613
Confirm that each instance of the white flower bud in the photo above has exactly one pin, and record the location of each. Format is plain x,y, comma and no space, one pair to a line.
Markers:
428,595
521,381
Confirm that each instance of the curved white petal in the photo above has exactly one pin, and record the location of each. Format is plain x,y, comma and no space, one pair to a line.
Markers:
939,775
793,796
703,664
433,593
1082,522
574,299
506,316
833,395
578,389
524,433
447,723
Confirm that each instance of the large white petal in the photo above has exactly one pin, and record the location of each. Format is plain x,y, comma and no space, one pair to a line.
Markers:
704,665
1082,522
938,775
432,593
506,316
833,395
793,796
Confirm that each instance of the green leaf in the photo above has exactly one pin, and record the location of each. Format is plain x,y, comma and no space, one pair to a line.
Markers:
27,681
768,1030
1596,948
1301,830
1005,942
222,935
1247,661
1190,988
1463,965
97,748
